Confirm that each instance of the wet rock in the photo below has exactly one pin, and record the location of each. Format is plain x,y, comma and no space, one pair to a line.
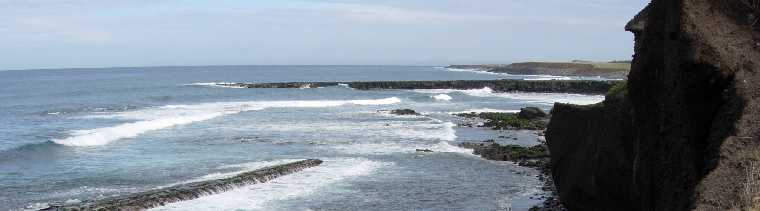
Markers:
532,113
404,112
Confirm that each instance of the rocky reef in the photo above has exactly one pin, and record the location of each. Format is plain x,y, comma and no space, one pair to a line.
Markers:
160,197
564,86
530,118
684,132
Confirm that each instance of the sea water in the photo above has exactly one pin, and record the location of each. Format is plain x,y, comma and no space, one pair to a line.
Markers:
78,134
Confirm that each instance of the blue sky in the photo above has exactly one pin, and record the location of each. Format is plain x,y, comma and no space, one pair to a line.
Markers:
93,33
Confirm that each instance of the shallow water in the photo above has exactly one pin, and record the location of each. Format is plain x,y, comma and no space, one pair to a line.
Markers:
76,134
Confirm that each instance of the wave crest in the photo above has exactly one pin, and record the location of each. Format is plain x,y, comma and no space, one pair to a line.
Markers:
173,115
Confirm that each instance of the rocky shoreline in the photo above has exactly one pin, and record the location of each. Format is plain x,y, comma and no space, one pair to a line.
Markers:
560,86
183,192
536,157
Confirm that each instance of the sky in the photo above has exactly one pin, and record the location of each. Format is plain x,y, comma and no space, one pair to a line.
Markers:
120,33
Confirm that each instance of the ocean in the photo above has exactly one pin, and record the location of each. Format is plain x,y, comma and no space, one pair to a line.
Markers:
69,135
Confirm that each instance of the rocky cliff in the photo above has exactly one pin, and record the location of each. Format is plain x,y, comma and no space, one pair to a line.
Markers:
685,136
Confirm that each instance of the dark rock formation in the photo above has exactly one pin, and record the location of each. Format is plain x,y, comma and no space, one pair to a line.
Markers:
509,121
686,133
404,112
532,113
590,87
493,151
160,197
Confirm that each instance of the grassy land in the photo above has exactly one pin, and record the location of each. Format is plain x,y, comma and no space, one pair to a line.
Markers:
612,66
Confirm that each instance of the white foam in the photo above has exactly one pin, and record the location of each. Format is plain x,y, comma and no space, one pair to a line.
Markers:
173,115
386,148
546,78
478,71
485,110
240,168
266,196
345,86
527,97
442,97
402,129
217,84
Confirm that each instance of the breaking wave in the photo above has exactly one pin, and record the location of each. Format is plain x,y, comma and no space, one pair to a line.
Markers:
527,97
266,195
173,115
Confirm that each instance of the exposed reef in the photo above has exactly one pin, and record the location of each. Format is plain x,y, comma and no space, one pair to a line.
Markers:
183,192
563,86
684,133
527,119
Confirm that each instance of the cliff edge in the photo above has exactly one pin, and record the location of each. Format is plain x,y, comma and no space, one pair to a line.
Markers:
685,134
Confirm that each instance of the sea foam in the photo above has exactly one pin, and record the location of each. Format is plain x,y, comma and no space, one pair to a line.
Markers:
173,115
217,84
442,97
265,196
527,97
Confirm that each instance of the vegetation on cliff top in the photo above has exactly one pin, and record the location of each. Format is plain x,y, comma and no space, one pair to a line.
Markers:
619,89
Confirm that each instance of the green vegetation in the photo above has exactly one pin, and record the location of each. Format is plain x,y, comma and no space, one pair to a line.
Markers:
619,89
501,121
616,65
612,66
520,152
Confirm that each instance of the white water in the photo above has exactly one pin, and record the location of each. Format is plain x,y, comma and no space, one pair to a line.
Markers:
485,110
301,184
527,77
173,115
442,97
217,84
238,169
532,98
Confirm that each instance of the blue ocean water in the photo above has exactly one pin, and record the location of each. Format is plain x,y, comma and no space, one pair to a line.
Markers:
76,134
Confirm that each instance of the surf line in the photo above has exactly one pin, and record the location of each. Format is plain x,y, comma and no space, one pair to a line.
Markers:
189,191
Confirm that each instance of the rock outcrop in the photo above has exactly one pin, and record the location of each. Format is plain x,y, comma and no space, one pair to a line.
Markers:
404,112
160,197
532,113
687,133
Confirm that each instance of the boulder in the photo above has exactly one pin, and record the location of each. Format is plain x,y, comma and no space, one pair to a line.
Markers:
404,112
532,113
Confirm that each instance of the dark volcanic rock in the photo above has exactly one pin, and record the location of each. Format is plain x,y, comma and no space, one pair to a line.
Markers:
532,113
589,87
687,133
404,112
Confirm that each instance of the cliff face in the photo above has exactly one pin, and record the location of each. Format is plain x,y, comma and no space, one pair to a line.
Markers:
686,135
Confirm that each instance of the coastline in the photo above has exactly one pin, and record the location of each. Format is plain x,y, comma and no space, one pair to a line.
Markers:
535,157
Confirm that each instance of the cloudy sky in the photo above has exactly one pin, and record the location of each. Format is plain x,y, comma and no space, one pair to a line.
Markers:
108,33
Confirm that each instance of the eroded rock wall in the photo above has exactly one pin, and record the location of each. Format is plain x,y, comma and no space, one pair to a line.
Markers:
694,117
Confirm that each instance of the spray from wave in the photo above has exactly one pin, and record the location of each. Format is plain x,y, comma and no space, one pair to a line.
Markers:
173,115
217,84
535,98
266,196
